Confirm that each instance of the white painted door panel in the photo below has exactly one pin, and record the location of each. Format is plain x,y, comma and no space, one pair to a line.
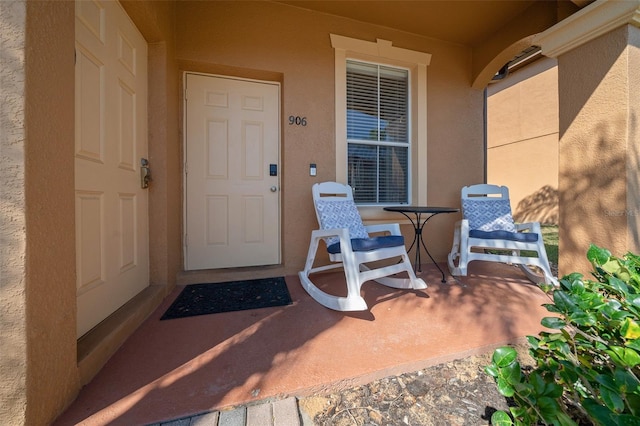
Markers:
232,202
112,250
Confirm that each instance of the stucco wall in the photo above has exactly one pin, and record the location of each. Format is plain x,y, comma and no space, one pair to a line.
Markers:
13,342
49,149
522,140
598,147
38,277
272,38
633,126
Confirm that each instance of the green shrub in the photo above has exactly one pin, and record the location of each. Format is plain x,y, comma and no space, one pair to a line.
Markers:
589,368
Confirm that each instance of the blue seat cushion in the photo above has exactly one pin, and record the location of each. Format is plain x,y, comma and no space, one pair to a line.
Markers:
368,244
523,237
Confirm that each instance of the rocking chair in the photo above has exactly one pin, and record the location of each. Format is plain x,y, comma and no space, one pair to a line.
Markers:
487,232
350,246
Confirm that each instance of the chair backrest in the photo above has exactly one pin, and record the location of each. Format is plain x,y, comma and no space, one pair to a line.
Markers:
335,208
487,207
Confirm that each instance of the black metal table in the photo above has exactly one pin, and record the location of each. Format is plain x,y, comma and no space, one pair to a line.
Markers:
418,224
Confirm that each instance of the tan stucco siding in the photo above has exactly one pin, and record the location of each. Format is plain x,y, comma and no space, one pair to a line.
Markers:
294,43
52,378
598,151
13,339
38,277
522,140
633,126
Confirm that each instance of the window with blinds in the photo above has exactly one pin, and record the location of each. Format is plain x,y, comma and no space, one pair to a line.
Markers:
378,133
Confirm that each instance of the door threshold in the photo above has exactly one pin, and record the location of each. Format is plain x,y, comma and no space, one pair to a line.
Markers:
230,274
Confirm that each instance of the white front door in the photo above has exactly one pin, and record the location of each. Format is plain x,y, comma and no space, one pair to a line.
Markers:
232,142
112,242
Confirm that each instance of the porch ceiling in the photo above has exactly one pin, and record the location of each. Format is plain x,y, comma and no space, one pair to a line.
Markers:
465,22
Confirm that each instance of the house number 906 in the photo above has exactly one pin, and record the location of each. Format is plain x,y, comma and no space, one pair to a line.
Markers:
297,120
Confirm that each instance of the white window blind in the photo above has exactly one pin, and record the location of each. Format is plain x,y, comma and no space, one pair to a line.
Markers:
378,133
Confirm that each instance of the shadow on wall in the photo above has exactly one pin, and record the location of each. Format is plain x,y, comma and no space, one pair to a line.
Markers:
541,206
600,192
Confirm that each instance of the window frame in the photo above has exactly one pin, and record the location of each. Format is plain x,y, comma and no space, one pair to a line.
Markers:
382,143
382,52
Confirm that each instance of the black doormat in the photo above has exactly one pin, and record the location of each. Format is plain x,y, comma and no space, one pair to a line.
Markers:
205,299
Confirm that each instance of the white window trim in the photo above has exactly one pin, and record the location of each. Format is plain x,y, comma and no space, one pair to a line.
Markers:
383,52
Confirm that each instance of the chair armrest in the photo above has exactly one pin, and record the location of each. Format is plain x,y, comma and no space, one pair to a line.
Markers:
391,228
335,232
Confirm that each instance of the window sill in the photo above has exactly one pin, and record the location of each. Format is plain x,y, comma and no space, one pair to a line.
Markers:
372,215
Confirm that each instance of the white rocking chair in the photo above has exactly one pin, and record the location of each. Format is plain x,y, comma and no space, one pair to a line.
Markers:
350,246
487,226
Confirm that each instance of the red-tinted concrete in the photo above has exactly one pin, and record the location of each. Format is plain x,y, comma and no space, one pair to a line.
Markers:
173,368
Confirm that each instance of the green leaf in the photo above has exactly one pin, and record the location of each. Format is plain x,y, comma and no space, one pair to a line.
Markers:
569,374
553,322
577,287
500,418
511,373
619,285
563,302
598,412
612,266
634,344
553,390
630,329
569,280
549,409
491,370
518,412
504,356
597,255
565,420
505,388
606,381
612,399
627,420
619,316
624,357
533,342
538,383
583,318
552,308
634,404
523,389
626,381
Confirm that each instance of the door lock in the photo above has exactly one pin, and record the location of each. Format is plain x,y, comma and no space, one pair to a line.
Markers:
145,173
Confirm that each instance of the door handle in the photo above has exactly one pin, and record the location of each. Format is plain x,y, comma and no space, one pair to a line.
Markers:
145,173
273,188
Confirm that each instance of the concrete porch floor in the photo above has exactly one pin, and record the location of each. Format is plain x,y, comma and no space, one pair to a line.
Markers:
181,367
